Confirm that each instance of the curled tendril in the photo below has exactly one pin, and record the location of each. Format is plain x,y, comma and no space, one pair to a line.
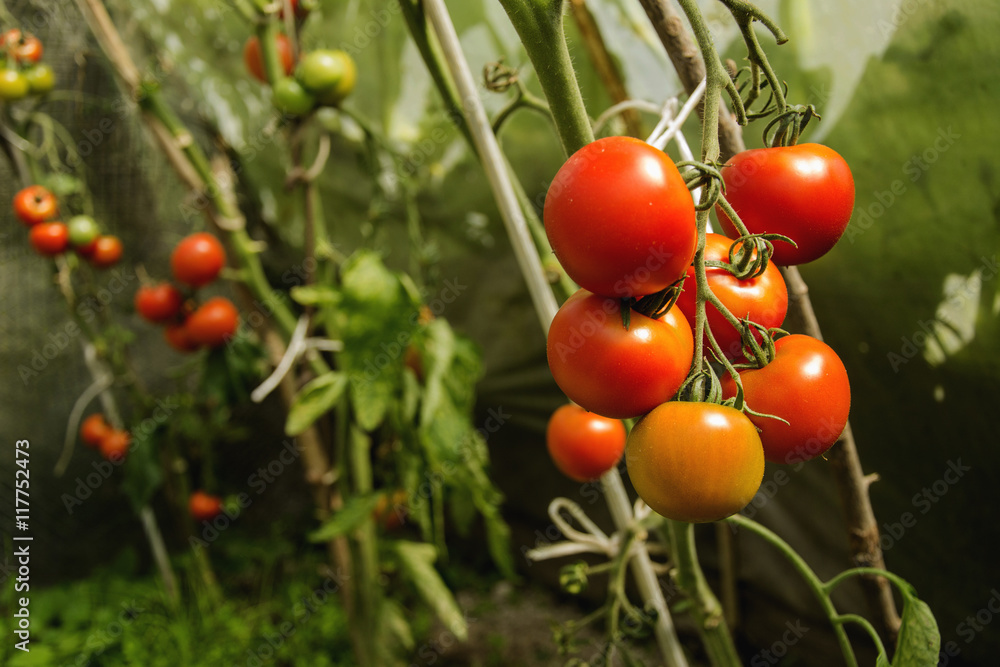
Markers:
499,77
786,127
657,305
701,387
702,175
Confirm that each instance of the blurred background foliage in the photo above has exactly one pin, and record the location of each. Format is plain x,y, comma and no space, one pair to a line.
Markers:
910,298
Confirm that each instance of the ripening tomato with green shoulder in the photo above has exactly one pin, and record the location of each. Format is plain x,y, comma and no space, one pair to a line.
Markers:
695,462
613,371
584,445
804,192
805,384
35,204
620,219
763,299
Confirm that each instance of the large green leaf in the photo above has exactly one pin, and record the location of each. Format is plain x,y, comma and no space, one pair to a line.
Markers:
416,562
919,643
314,400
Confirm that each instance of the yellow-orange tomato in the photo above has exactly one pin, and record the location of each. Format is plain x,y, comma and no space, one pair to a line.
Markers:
695,462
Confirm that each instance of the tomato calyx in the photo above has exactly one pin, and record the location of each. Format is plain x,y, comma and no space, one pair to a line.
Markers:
653,306
704,175
749,255
786,127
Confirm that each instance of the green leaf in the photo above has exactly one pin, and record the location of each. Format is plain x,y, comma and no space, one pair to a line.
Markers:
315,400
356,510
416,562
919,641
882,661
393,626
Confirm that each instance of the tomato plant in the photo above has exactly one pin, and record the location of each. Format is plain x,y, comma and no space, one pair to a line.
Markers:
763,299
115,444
93,429
620,218
254,59
805,384
106,252
197,259
695,462
204,506
35,204
213,323
584,445
49,238
614,371
158,303
804,192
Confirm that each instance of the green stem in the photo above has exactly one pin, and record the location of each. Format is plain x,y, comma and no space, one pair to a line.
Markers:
267,33
368,588
815,584
539,24
707,611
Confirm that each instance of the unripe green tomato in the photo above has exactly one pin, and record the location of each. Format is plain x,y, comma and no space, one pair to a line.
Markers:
41,78
13,85
320,70
291,97
345,86
82,230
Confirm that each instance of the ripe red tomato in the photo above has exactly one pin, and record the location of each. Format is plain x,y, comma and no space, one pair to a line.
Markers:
615,372
179,338
115,445
198,259
213,323
158,303
35,204
26,47
620,219
763,299
807,385
93,429
204,506
805,192
583,445
254,59
49,238
106,252
695,462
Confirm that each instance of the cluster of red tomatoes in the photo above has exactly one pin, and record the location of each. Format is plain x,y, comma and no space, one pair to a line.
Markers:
21,71
97,433
195,262
37,207
622,222
323,77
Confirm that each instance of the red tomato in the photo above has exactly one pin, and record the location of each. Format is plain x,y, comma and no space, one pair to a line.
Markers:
806,384
93,429
35,204
695,462
106,252
583,445
179,338
115,445
158,303
204,506
198,259
49,238
26,47
620,219
763,299
805,192
213,323
254,59
615,372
